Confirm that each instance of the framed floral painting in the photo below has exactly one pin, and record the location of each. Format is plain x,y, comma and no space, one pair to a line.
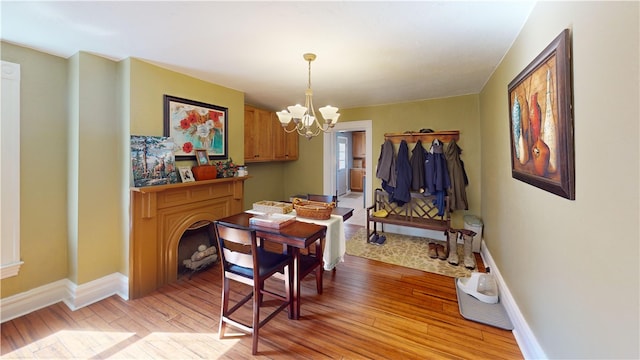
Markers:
195,125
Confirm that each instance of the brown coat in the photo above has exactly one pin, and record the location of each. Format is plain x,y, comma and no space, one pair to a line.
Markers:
457,175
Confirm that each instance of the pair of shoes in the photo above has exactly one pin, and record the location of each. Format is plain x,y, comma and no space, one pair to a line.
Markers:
377,239
373,239
442,252
433,251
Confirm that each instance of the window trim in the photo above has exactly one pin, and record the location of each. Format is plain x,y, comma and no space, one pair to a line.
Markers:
10,180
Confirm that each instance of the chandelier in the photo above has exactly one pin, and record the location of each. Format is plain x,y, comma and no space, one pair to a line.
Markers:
304,117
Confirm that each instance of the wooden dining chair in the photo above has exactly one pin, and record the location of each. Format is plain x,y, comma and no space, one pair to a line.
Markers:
323,198
244,261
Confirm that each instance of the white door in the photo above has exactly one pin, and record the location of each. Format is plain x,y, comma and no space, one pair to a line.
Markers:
341,161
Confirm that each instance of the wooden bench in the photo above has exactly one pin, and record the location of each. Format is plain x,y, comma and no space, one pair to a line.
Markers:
421,212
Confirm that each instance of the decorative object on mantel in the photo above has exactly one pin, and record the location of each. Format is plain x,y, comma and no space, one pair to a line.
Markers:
201,157
305,116
205,172
226,168
152,161
186,174
196,125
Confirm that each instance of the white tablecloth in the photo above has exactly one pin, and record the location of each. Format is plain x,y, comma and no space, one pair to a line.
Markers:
334,245
335,241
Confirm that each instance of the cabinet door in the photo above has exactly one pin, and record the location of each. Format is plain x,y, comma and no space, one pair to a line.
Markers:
359,144
258,141
285,146
279,140
291,145
356,180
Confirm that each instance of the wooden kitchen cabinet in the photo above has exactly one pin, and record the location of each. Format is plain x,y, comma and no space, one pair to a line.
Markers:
358,147
264,138
258,141
356,177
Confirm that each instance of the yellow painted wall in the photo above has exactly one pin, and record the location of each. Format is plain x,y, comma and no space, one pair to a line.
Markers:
98,171
43,163
572,266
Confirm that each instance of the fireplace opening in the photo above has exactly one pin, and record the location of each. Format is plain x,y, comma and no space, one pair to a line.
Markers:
197,249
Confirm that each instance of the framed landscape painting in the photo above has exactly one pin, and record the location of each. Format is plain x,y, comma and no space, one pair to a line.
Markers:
152,161
195,125
541,121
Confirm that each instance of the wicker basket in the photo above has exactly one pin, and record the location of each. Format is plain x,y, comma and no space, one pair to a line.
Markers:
272,207
313,209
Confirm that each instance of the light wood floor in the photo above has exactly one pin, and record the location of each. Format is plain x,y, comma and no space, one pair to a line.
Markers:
369,310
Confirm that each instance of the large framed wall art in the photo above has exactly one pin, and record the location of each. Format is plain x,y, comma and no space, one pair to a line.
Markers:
195,125
541,121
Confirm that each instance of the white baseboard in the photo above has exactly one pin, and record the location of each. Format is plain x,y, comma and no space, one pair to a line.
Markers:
524,336
74,296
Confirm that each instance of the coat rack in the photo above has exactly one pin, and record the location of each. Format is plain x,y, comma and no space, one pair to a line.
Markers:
413,137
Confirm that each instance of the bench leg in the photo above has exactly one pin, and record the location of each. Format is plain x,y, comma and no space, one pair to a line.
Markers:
372,233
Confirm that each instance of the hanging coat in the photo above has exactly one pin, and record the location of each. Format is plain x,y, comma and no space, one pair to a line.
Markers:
386,170
402,193
417,167
458,177
436,175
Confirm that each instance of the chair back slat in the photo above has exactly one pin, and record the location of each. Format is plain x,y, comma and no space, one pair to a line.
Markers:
238,258
238,236
236,246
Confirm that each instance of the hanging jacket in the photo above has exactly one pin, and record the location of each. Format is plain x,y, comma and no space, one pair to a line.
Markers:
436,174
402,193
417,167
386,170
458,177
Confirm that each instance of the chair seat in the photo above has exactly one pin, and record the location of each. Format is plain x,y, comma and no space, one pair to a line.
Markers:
268,262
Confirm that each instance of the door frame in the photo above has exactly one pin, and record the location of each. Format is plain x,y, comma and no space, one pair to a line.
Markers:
329,158
340,135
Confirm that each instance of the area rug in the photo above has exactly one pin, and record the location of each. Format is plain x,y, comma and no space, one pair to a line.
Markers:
405,250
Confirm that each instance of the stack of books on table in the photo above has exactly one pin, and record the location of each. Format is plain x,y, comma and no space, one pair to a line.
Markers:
275,221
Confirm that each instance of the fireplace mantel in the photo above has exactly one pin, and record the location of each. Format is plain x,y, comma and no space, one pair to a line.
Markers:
160,215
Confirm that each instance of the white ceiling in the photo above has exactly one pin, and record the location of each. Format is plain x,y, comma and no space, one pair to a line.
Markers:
369,53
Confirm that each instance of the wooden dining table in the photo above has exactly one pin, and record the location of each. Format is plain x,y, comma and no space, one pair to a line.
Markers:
295,236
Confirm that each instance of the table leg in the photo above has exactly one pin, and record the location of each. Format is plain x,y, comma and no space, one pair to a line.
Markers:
295,286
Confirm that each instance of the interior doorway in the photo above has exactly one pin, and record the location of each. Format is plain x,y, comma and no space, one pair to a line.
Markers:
330,169
342,174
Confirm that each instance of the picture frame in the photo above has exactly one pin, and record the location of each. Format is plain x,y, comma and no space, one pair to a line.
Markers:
152,161
202,157
185,174
541,121
196,125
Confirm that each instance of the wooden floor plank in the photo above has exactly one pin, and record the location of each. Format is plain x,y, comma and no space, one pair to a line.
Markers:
368,310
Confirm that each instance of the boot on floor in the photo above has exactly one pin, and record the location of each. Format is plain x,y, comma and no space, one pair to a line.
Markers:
452,243
469,259
433,252
442,251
